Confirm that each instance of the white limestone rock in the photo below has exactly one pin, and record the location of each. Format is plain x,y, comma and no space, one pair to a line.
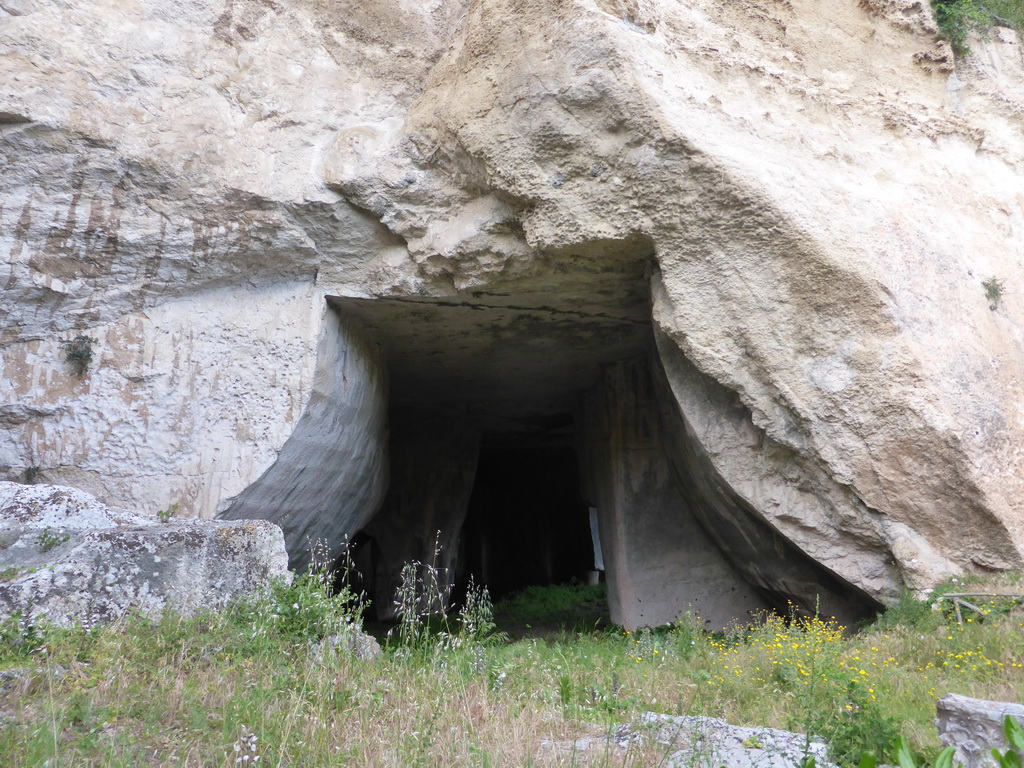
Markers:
710,742
975,727
695,741
813,195
68,559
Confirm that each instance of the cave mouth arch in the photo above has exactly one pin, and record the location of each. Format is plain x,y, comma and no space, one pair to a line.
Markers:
565,366
484,404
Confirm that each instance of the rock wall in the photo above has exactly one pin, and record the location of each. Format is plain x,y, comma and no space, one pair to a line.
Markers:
154,197
799,177
822,193
660,561
330,476
433,463
185,403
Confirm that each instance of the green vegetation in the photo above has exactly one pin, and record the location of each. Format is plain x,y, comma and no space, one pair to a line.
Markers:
165,515
78,353
993,291
262,680
957,19
50,538
572,607
1009,758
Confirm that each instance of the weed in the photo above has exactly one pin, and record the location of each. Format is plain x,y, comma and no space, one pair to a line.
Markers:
51,538
993,291
31,475
422,600
905,758
165,515
246,749
476,617
910,613
21,638
78,353
301,610
176,691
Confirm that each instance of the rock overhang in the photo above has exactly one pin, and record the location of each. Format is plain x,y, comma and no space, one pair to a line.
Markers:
520,347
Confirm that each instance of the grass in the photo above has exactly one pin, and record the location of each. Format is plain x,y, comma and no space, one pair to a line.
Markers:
553,609
257,681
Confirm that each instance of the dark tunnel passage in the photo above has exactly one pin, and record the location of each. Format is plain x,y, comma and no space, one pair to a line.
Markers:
527,523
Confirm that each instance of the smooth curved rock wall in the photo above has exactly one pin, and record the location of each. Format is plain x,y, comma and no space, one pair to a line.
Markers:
660,562
725,493
433,465
330,476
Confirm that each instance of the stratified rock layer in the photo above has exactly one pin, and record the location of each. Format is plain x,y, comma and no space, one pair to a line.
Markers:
797,207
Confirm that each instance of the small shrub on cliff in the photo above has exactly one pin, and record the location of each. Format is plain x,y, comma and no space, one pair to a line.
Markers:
166,515
50,538
993,291
78,353
958,19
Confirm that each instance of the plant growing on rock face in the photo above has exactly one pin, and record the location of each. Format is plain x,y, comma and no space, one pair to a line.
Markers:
31,475
50,538
993,291
78,353
165,515
958,19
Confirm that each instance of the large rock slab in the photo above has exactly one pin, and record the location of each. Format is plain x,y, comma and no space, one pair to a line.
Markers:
68,559
974,727
696,741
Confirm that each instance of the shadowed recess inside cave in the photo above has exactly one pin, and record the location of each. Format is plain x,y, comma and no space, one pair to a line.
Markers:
511,414
526,523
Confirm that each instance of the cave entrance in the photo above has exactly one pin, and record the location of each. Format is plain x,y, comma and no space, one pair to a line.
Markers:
484,414
513,413
527,523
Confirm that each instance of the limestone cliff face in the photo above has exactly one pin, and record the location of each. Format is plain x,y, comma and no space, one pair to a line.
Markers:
803,201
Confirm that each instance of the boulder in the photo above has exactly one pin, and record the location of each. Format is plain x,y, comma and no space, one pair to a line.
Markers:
696,741
710,742
974,727
68,559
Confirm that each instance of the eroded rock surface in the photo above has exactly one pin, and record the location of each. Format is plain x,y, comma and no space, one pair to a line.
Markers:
68,559
975,727
797,206
699,742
